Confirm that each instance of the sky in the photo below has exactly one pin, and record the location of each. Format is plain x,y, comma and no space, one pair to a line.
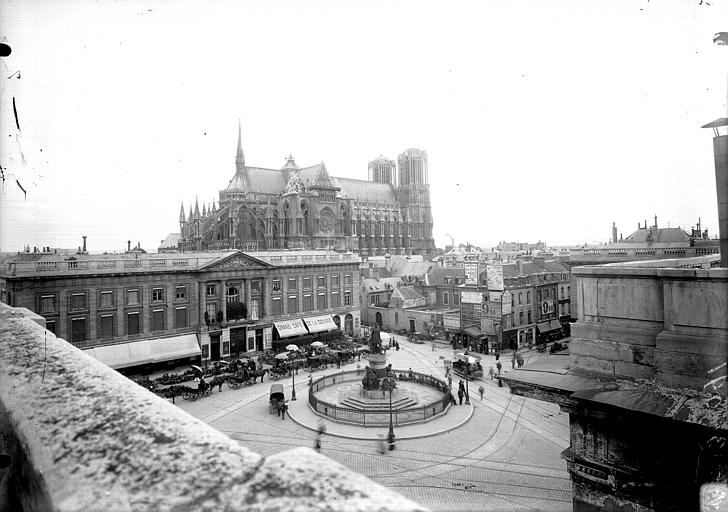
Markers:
541,120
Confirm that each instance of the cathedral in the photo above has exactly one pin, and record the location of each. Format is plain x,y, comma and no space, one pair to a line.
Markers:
305,208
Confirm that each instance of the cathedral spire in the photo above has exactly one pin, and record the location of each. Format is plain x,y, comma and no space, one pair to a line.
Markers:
240,156
182,212
197,209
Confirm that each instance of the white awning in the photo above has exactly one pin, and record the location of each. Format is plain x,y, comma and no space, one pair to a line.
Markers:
290,328
320,323
146,351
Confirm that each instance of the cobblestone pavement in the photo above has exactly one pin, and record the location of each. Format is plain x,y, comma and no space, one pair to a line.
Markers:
506,457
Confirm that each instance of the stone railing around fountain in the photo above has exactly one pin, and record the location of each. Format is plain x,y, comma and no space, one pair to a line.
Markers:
76,435
379,416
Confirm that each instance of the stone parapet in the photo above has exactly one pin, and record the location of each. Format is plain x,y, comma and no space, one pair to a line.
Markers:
80,436
645,320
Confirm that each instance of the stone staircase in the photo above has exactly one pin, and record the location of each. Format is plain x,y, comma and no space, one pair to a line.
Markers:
378,405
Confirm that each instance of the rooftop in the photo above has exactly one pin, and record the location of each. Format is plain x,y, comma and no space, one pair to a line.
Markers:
58,265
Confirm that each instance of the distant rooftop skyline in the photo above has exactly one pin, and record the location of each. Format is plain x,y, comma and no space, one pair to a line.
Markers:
533,130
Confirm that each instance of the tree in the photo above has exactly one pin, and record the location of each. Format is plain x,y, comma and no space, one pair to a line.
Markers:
236,310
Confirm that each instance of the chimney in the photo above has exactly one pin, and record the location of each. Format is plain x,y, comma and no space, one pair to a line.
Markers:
128,245
720,156
614,232
655,221
84,243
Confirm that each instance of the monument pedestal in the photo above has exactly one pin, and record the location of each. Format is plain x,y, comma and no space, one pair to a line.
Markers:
378,363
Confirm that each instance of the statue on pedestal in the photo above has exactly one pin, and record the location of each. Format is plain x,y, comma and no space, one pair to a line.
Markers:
375,342
370,380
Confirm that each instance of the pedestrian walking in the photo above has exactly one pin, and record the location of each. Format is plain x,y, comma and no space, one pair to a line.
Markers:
461,394
284,408
490,372
520,361
513,361
452,399
461,386
433,346
319,433
499,366
449,382
219,385
481,390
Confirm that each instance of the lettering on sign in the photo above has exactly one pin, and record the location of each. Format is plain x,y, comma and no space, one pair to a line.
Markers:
267,338
506,303
547,307
293,324
495,277
471,273
471,297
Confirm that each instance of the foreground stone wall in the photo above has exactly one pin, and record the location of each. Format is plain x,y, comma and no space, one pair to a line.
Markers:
80,436
648,322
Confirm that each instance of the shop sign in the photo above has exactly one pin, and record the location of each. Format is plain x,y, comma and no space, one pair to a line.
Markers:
471,273
471,297
268,338
506,302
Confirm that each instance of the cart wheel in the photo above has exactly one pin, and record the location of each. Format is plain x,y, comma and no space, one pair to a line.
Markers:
187,395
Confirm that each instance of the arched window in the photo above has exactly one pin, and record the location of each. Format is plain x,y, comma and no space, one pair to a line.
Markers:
232,294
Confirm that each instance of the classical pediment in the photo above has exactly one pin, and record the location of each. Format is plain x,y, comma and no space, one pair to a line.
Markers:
237,261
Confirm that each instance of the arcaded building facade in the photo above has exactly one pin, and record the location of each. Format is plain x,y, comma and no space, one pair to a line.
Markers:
305,208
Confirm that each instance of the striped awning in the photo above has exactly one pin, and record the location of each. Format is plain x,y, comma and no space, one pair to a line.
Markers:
320,323
153,350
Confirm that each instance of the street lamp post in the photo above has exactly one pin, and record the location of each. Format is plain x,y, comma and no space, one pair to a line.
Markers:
467,382
293,390
389,386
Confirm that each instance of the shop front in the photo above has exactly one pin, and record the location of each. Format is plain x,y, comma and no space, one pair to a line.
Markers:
549,331
475,340
149,355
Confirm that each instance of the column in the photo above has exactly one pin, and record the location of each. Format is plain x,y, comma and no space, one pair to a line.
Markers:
265,298
223,299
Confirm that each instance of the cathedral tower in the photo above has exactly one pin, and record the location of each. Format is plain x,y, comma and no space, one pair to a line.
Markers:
413,194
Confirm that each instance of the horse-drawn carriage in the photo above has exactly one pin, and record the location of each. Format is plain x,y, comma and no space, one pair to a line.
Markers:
279,371
193,394
277,398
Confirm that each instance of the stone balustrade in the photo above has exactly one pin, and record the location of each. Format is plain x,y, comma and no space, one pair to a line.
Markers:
80,436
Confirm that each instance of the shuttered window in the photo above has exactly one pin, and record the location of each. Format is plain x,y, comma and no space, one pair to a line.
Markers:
292,304
277,306
132,323
78,330
158,320
321,303
307,303
78,301
335,300
180,318
106,327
